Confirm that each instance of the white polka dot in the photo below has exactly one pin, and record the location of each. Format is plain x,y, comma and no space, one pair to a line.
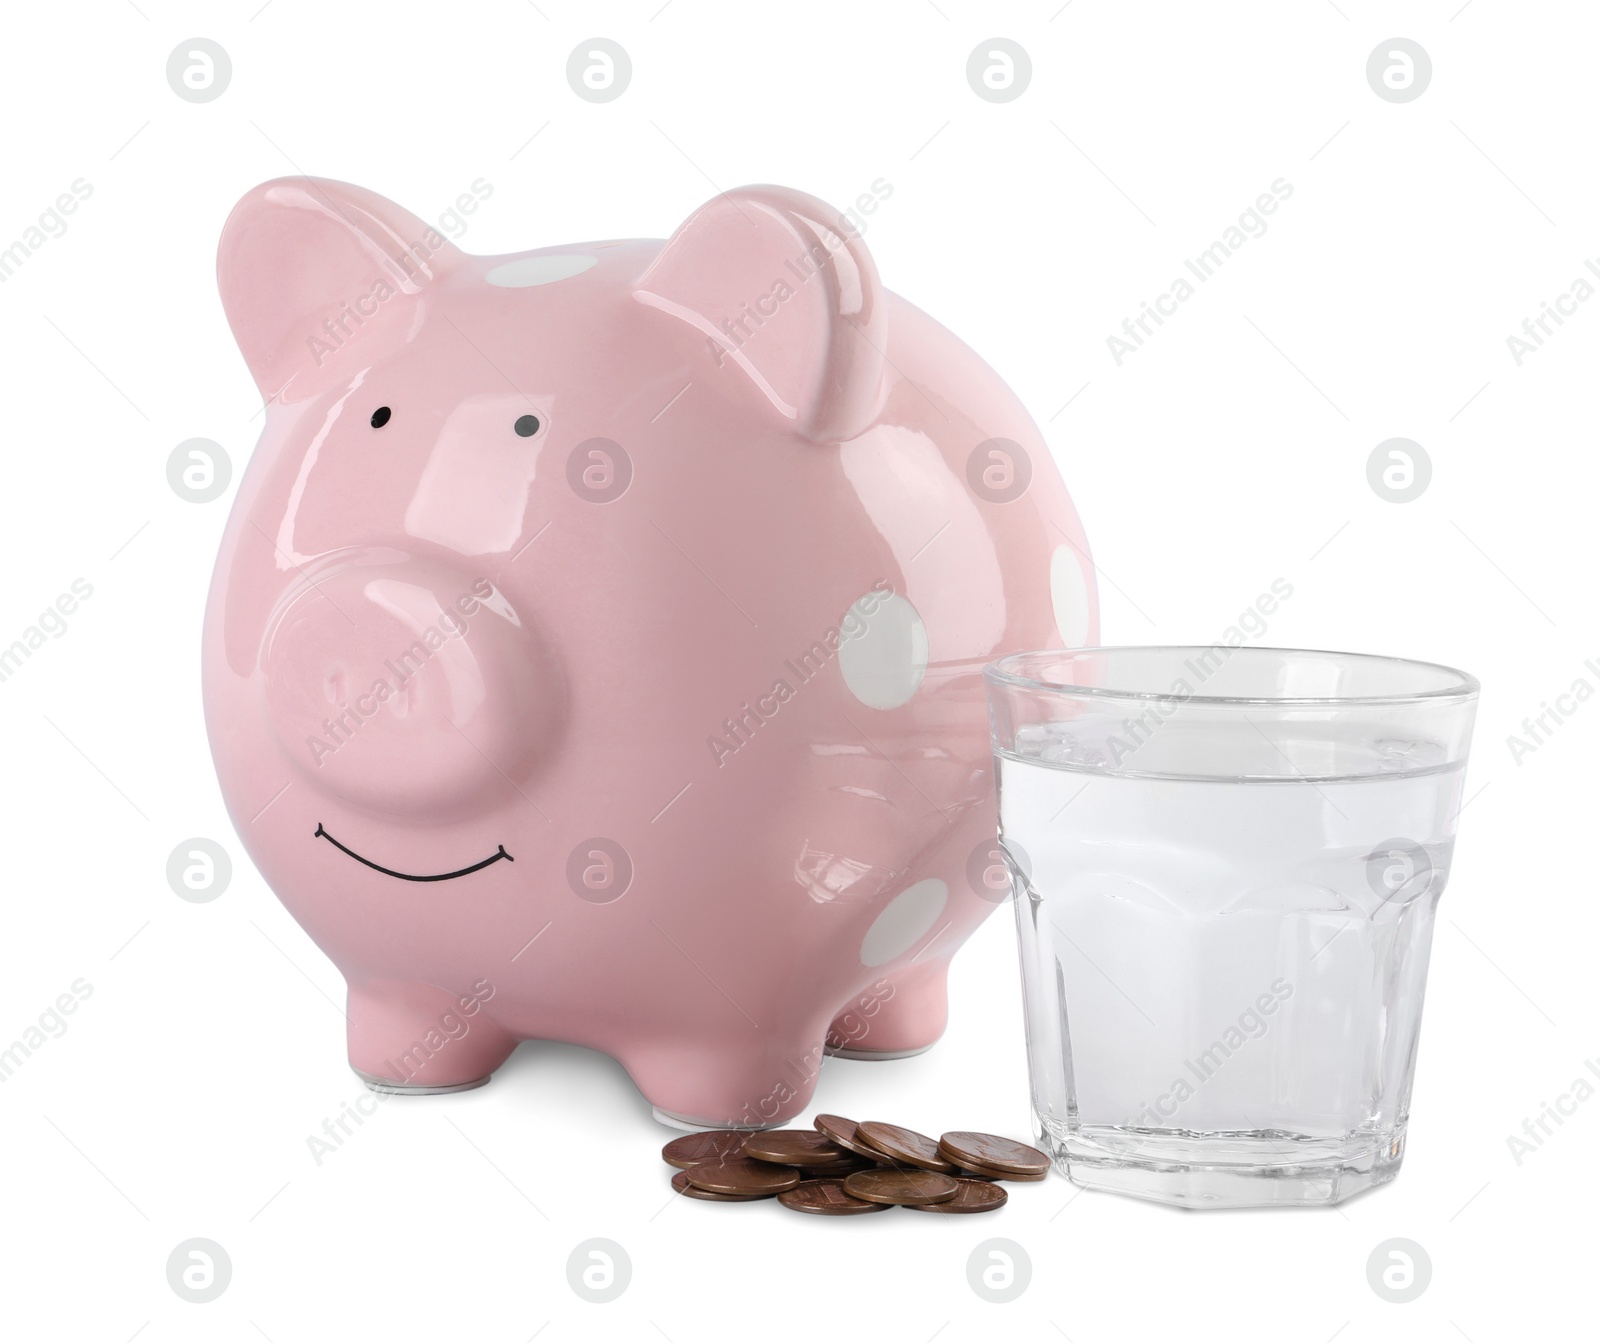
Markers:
884,650
531,270
1069,595
905,921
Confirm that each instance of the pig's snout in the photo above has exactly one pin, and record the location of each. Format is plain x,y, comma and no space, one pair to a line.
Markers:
408,689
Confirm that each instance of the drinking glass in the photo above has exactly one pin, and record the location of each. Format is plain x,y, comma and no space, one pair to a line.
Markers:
1225,864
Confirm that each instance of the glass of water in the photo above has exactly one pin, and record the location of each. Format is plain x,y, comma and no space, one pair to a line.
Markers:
1225,864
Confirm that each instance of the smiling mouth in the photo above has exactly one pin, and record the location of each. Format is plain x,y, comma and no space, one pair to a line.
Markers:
412,876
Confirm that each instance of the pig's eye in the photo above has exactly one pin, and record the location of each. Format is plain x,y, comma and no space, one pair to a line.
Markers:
380,417
526,426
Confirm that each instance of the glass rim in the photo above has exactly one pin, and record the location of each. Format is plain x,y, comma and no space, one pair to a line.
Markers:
1000,672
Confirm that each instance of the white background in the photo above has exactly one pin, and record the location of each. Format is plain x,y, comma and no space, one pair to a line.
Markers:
1229,451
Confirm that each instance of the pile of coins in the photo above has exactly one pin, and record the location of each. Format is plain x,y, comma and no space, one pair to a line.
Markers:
840,1168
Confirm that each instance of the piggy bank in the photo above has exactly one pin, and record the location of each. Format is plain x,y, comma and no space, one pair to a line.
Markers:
594,649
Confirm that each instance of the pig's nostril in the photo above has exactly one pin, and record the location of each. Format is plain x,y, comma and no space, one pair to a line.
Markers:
405,703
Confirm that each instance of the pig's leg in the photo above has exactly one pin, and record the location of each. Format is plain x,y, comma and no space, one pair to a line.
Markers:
419,1039
901,1014
743,1077
904,1011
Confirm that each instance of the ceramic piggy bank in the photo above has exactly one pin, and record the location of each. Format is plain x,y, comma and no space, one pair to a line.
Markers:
594,649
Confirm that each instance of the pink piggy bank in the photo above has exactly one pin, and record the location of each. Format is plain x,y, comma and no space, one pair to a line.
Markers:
594,649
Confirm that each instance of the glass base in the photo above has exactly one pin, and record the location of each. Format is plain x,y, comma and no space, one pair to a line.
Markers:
1264,1168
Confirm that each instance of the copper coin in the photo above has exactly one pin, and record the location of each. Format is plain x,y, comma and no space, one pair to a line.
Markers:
901,1186
849,1159
741,1175
693,1148
985,1151
827,1198
973,1196
904,1145
793,1147
991,1173
680,1182
843,1132
837,1169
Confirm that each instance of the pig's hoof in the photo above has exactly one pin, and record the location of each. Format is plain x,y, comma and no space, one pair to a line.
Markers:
847,1052
389,1087
901,1015
689,1125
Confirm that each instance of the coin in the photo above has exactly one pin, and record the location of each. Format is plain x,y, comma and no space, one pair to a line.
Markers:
680,1182
843,1132
840,1168
827,1198
992,1173
901,1186
986,1152
693,1148
794,1147
741,1175
904,1145
973,1196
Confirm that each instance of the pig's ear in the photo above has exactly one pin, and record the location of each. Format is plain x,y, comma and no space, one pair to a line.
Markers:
781,289
308,268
